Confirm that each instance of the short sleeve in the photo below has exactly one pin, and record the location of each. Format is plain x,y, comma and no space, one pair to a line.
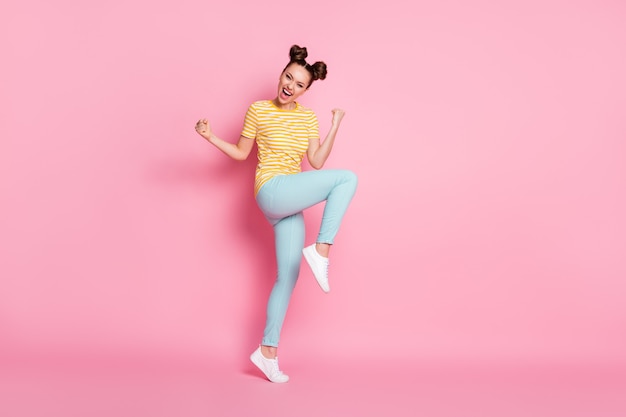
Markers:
250,123
313,126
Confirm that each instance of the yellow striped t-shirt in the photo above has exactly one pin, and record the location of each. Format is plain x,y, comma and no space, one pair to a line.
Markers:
282,138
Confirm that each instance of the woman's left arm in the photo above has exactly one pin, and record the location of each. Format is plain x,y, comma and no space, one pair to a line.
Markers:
317,153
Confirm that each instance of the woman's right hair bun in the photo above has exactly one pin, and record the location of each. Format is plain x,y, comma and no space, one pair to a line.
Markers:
296,53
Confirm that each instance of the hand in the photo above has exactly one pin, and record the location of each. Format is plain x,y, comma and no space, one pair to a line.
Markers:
337,116
203,128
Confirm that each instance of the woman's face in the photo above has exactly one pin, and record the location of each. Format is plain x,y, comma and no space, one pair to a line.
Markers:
292,84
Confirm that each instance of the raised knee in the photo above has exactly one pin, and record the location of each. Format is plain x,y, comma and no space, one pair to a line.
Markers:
351,177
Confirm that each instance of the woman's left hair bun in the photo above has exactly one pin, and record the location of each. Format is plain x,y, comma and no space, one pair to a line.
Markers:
297,53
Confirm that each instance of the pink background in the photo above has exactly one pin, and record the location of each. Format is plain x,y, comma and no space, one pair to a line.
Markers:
489,138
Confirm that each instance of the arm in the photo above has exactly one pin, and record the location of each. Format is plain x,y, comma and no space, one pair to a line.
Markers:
238,151
317,153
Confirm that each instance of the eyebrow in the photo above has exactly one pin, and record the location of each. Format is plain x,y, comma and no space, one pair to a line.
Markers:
290,74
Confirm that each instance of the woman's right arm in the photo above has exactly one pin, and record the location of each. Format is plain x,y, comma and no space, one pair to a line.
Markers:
238,151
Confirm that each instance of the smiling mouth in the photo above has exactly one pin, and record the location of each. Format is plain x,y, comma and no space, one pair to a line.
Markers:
287,93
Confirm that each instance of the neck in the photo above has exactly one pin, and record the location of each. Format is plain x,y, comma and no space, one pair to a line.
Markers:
288,106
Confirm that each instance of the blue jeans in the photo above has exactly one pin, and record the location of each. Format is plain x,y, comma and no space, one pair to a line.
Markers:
282,200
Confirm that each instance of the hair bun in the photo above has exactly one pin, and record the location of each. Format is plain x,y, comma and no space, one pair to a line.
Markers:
297,53
319,70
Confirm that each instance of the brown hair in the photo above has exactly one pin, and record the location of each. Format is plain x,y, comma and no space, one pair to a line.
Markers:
298,55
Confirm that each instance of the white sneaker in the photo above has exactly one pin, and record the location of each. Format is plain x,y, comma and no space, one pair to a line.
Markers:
319,266
268,366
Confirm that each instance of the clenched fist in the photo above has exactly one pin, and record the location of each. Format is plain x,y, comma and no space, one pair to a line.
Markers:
337,116
203,128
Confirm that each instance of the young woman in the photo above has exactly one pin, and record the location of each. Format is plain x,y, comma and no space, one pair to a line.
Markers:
284,131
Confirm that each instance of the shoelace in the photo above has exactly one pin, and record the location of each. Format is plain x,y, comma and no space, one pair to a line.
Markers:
275,369
326,270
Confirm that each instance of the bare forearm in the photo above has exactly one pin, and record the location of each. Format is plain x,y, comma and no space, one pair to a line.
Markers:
320,156
230,149
238,151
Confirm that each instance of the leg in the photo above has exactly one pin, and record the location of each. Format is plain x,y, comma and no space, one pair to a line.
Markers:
289,194
289,237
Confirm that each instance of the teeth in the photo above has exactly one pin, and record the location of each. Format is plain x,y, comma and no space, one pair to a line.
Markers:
287,93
